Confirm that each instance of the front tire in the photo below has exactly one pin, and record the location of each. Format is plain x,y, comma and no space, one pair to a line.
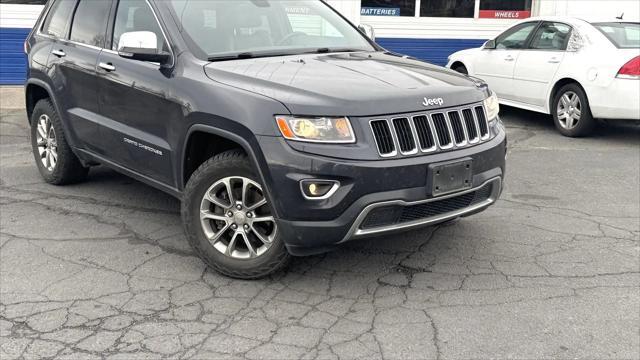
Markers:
228,219
55,159
571,111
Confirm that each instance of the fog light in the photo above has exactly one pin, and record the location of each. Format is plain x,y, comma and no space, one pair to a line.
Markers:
318,189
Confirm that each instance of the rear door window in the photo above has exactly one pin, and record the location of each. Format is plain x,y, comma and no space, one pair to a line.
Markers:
90,22
551,36
57,20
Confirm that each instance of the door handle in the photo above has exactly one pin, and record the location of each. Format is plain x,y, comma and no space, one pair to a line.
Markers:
554,60
509,58
107,67
59,53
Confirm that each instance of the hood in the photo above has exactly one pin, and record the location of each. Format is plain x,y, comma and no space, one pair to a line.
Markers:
351,84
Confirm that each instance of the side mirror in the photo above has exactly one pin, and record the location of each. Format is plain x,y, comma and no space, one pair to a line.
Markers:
143,46
491,44
368,31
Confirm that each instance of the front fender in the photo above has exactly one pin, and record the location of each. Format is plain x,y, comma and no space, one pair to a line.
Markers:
246,140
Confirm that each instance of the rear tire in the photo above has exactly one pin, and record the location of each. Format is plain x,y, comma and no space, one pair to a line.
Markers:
571,111
55,159
231,233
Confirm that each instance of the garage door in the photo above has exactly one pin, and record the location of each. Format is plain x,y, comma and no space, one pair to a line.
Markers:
16,20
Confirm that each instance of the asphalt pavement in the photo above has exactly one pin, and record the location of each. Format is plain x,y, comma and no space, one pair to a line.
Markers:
102,269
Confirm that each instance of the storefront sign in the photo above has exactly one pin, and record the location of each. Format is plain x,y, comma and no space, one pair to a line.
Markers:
376,11
504,14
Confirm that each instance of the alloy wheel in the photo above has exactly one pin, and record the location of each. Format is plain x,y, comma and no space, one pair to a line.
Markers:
569,110
47,142
236,218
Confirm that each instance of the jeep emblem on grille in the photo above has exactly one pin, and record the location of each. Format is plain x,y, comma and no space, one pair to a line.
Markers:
432,102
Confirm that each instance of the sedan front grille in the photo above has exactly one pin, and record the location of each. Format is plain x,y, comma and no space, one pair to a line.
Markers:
437,130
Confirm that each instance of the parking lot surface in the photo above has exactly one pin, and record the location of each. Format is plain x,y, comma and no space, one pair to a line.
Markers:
102,269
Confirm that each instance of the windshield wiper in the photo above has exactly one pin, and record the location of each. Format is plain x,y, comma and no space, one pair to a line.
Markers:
244,55
324,50
254,55
247,55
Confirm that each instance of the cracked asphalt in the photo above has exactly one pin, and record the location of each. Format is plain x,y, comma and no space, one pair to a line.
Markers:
103,270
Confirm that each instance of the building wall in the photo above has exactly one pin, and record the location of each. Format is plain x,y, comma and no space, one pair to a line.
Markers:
430,39
433,39
603,9
16,22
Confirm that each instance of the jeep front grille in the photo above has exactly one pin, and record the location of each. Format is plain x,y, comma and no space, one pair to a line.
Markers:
429,132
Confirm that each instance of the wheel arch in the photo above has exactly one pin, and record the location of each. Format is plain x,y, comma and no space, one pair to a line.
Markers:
228,140
557,86
457,63
36,90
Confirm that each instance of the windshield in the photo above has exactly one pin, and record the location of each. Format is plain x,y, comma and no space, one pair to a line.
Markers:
222,29
622,35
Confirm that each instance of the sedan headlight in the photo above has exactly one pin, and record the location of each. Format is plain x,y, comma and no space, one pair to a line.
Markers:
492,106
335,130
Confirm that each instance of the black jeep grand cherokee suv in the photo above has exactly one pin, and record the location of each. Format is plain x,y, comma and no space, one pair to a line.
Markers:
282,127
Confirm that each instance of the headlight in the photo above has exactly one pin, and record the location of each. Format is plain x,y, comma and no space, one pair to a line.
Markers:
336,130
492,106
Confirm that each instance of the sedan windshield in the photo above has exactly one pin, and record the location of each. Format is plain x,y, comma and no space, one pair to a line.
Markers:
231,29
622,35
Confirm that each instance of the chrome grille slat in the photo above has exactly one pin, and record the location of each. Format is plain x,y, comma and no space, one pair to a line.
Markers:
472,126
482,122
424,132
404,134
384,138
455,122
442,131
435,130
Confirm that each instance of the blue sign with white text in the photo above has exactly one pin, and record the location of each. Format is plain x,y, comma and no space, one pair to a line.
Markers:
377,11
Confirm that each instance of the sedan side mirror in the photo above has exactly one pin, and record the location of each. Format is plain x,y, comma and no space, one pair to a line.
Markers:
143,46
489,45
368,31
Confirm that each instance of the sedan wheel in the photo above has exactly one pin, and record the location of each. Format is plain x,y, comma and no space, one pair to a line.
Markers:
569,110
572,114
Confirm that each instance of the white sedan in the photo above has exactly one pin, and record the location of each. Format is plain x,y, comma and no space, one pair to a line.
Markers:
575,70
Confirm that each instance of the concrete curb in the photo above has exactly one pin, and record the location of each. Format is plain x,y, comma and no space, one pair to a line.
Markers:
11,97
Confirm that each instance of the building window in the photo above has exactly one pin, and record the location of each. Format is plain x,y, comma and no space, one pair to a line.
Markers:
447,8
388,8
516,5
505,9
495,9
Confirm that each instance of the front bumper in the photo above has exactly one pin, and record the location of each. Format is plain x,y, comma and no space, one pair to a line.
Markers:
315,226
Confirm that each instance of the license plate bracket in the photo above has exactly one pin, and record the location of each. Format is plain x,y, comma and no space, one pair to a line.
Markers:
451,176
